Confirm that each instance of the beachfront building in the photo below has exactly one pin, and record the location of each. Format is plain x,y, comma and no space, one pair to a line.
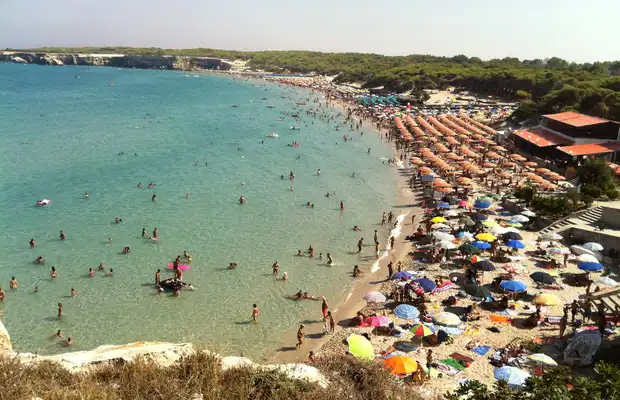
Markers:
566,138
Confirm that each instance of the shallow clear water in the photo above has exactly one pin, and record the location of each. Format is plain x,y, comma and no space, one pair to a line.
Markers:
61,136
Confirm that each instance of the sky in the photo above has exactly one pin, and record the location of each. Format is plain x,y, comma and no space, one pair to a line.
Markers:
576,30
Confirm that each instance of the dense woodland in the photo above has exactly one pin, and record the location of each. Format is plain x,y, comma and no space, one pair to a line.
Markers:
542,86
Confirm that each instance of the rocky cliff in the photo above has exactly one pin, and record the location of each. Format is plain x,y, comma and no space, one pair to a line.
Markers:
164,354
116,60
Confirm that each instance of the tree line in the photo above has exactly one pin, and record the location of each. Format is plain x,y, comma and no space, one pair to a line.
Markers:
541,86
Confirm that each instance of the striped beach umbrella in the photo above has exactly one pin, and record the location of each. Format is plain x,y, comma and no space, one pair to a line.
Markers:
406,311
422,330
375,297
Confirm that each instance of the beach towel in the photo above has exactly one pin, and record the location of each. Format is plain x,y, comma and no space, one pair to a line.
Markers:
472,330
545,340
481,350
500,318
446,286
463,359
451,362
446,369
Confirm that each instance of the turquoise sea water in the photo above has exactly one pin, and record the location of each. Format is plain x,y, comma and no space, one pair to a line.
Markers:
61,132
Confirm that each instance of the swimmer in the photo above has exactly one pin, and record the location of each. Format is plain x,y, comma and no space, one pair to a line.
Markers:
299,253
32,244
310,251
14,283
357,228
356,271
318,172
155,233
285,276
62,235
86,195
73,292
109,240
111,272
327,195
101,267
341,206
242,183
139,185
91,273
53,273
187,195
36,289
154,197
143,232
69,342
117,220
59,310
59,334
242,200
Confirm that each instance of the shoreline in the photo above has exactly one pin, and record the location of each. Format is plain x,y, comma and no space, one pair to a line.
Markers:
407,203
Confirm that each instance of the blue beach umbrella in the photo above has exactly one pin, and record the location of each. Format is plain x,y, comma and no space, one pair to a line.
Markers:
513,286
590,266
511,375
405,311
515,244
444,205
482,204
481,245
426,284
402,275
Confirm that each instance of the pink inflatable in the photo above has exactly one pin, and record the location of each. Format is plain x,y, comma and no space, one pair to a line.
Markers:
181,267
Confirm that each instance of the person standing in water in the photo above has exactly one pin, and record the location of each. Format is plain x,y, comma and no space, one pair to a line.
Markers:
158,277
32,244
255,313
91,273
62,235
360,243
155,233
376,236
59,310
53,273
341,206
330,261
275,267
143,232
154,197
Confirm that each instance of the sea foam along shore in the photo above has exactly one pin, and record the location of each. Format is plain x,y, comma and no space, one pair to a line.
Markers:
407,203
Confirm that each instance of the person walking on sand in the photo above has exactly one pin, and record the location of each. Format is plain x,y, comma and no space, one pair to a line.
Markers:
392,242
376,237
429,360
324,307
330,261
563,323
332,323
255,313
390,267
300,336
574,307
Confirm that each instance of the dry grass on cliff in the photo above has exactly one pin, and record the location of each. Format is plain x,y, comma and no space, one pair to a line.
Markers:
197,374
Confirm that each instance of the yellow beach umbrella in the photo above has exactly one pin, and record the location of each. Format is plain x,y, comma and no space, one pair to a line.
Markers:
546,299
439,220
360,347
490,223
485,237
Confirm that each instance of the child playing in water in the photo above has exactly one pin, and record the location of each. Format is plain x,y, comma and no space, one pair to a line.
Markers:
255,313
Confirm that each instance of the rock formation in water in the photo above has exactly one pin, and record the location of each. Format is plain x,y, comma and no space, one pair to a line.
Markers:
117,60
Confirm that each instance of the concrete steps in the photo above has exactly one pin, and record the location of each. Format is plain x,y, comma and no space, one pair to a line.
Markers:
609,300
556,226
592,215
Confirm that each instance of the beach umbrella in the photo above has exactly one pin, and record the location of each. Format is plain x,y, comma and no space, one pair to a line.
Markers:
508,229
592,246
443,236
468,248
479,217
484,265
542,358
440,226
512,236
464,234
437,220
473,259
402,275
558,250
400,365
464,204
486,237
360,347
490,223
551,236
587,258
446,245
426,284
378,320
546,299
450,213
515,244
528,213
520,218
542,277
375,297
444,205
511,375
590,266
447,319
482,205
406,311
477,291
481,245
513,286
514,224
467,221
422,330
607,281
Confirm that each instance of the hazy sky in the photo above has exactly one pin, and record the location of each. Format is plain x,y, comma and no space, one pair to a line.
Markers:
577,30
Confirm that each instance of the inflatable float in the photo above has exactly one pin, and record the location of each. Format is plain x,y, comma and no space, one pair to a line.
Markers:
173,284
272,135
181,267
43,203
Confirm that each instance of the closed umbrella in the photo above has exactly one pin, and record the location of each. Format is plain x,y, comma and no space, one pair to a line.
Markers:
481,245
546,299
360,347
447,319
592,246
515,244
400,365
513,286
426,284
446,245
542,277
477,291
511,375
484,265
402,275
406,311
551,236
375,297
590,266
512,236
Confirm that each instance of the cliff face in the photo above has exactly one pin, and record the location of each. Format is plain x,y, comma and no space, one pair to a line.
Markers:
117,60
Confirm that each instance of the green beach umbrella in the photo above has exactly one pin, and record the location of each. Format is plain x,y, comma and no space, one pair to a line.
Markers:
469,248
360,347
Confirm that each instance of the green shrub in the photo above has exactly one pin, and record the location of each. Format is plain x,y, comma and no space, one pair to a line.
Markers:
612,194
588,200
592,191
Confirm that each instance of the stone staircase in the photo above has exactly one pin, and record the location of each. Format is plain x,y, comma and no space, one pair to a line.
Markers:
588,216
609,300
